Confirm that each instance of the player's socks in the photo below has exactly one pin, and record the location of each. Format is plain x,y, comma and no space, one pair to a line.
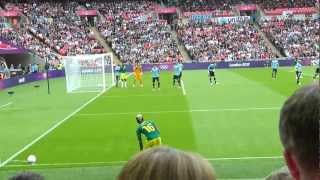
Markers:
125,84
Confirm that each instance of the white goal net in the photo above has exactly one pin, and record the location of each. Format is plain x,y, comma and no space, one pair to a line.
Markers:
89,73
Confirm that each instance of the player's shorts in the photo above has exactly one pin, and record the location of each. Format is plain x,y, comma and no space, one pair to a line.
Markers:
180,76
154,79
176,77
274,70
153,143
123,76
318,71
298,73
117,77
137,76
211,73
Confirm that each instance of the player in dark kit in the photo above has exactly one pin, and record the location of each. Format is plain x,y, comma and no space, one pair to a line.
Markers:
274,66
181,69
211,71
149,130
155,72
176,75
298,68
117,74
317,71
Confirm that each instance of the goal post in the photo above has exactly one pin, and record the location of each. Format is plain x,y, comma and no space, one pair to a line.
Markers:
89,73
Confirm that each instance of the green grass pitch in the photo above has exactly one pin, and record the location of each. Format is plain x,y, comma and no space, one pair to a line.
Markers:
233,124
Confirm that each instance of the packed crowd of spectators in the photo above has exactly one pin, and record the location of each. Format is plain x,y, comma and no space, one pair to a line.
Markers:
208,41
273,4
144,41
296,38
207,5
58,26
135,35
24,39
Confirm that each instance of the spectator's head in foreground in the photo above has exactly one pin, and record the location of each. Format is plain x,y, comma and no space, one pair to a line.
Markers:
164,163
299,132
27,176
282,174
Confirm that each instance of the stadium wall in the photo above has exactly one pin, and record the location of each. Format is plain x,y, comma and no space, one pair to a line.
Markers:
147,67
15,81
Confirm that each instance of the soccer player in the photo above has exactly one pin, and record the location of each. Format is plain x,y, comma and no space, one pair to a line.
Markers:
117,74
298,69
123,75
274,66
137,71
317,71
211,71
176,74
155,71
149,130
181,69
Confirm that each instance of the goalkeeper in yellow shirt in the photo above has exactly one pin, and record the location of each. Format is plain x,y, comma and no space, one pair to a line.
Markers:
137,72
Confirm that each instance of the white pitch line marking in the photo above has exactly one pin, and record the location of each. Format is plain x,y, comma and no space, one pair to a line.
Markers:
142,95
5,105
183,89
183,111
122,162
51,129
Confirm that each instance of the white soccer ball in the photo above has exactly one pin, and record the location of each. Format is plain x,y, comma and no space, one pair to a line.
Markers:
32,159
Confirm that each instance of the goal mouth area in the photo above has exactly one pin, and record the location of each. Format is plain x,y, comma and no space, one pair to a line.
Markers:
89,73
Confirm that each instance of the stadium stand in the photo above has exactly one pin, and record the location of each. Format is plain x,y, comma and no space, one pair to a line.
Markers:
135,35
296,38
58,26
274,4
207,5
208,41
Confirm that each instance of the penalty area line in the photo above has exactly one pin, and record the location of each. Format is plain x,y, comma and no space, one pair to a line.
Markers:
123,162
5,105
184,111
183,89
51,129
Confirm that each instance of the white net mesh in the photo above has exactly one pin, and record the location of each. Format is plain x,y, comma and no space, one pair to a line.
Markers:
88,73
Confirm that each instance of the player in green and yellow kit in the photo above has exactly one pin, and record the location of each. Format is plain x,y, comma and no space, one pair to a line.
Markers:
123,75
149,130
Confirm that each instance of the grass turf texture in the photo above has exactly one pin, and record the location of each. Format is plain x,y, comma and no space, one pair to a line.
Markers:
236,118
